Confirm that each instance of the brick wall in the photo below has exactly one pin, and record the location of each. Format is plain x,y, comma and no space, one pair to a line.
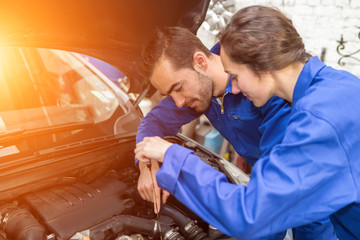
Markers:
321,24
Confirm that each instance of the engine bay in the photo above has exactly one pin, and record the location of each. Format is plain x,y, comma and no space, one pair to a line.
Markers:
106,208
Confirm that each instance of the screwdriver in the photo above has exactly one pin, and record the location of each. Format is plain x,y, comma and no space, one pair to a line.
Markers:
155,202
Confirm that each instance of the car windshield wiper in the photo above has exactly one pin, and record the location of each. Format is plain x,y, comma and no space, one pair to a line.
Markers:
23,132
90,144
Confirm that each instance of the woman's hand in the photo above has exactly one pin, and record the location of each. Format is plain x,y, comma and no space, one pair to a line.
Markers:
151,148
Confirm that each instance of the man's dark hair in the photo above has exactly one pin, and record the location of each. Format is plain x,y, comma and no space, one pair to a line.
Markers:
176,44
263,38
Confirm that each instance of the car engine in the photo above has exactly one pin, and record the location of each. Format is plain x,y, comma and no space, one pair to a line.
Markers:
108,207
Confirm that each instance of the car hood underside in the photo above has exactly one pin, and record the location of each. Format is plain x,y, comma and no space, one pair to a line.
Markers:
113,30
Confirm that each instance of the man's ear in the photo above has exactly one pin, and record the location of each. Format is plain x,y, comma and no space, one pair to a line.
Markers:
200,61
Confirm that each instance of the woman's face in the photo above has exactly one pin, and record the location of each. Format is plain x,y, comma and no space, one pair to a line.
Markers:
257,88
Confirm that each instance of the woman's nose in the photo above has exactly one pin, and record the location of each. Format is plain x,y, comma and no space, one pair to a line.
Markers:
235,87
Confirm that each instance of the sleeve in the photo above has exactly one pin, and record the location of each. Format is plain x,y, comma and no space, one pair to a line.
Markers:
299,182
276,114
165,119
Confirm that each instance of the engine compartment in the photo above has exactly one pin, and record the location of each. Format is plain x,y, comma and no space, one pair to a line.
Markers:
106,208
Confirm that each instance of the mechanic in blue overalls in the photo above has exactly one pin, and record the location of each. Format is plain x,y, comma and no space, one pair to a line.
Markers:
201,87
313,173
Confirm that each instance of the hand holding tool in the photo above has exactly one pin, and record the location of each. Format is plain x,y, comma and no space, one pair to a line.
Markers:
155,201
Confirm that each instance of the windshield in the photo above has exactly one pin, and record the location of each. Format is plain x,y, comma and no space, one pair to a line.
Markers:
42,88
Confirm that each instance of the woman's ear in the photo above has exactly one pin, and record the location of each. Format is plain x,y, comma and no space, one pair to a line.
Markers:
200,61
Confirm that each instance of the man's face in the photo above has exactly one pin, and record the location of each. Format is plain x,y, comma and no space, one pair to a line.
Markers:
186,86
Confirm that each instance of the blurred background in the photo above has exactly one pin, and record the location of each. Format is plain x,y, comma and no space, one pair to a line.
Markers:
321,23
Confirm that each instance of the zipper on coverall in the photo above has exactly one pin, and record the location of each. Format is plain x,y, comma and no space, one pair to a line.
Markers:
221,103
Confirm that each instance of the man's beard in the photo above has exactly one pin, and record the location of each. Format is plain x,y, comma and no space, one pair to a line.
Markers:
206,87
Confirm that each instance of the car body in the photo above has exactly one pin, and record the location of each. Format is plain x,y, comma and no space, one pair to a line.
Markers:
67,132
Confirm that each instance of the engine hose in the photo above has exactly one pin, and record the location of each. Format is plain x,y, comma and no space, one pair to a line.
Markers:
146,226
196,233
19,224
188,227
173,235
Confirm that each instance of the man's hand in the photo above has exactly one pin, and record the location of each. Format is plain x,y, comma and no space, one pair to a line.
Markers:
145,185
153,148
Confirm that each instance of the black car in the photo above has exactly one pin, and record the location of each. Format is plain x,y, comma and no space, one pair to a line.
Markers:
67,132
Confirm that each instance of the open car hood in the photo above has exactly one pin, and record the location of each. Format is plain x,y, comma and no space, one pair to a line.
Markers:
112,30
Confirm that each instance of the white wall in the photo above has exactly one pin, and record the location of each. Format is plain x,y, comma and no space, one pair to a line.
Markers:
320,23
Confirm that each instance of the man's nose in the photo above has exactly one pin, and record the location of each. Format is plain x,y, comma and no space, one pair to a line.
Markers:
178,99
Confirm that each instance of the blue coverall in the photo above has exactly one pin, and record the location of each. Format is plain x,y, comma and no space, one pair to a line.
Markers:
252,132
313,173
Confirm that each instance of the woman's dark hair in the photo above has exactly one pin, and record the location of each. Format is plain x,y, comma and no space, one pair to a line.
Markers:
262,38
176,44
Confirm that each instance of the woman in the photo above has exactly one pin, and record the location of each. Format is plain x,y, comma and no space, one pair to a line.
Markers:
312,174
262,50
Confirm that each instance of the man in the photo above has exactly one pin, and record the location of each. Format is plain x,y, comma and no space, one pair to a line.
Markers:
194,81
